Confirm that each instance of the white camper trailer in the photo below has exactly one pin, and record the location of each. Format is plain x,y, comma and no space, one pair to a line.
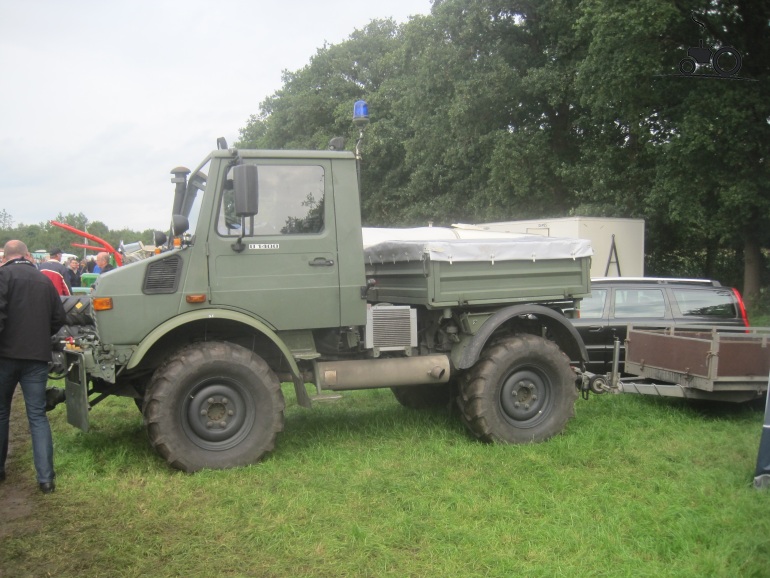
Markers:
618,244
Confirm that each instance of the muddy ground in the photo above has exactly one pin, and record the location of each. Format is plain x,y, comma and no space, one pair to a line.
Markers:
20,499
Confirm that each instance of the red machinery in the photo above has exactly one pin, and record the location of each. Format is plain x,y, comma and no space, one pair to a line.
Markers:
103,246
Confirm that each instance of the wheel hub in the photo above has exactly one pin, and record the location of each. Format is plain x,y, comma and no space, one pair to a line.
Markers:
216,413
523,396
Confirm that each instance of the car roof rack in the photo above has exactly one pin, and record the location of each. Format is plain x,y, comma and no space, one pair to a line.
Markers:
658,280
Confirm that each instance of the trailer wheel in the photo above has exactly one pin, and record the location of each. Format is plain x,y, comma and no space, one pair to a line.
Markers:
213,405
521,390
423,396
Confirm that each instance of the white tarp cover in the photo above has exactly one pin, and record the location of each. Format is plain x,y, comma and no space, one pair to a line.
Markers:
446,244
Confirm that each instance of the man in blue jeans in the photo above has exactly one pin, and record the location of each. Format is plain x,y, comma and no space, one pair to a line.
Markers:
30,313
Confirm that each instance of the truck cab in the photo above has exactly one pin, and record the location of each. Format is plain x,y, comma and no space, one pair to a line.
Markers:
302,247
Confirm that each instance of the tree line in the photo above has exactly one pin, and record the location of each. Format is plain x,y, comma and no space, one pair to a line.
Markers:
492,110
45,236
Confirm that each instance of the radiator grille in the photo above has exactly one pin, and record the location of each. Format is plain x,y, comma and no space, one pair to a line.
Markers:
390,328
163,276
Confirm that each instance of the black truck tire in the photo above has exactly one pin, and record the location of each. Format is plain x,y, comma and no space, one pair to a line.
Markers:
521,390
422,396
78,310
213,405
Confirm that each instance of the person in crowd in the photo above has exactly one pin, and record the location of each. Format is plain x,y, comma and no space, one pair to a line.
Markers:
31,312
103,262
73,272
56,271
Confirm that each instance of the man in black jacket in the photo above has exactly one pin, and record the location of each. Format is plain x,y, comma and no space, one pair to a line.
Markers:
30,312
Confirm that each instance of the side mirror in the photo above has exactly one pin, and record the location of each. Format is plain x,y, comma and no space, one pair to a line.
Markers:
179,225
159,238
246,180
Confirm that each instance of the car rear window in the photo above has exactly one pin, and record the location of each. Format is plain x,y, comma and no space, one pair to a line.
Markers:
695,303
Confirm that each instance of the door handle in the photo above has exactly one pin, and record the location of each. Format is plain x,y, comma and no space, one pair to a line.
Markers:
321,262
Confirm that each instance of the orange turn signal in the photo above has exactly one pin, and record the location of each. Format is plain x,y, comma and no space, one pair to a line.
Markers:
196,298
102,303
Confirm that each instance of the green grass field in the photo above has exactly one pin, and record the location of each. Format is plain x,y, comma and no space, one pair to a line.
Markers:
363,487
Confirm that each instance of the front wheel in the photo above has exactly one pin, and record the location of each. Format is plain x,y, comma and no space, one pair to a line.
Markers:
521,390
687,65
213,405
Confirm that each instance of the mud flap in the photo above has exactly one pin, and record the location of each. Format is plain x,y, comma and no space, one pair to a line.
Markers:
76,386
303,399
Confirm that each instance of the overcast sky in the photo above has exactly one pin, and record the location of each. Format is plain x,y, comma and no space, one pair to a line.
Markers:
101,99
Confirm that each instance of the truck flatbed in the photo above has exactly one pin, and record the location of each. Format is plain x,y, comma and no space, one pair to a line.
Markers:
433,267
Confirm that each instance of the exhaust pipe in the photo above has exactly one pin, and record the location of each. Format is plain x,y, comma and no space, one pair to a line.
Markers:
387,372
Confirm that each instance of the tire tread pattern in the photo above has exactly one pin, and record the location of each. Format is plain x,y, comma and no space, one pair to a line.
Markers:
158,410
478,389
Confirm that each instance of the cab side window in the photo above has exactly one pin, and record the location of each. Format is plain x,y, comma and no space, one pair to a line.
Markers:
640,303
291,202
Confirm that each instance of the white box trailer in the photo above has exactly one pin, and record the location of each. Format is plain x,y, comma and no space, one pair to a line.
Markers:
618,244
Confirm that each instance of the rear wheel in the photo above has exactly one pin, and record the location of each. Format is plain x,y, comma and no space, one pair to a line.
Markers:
213,405
727,61
521,390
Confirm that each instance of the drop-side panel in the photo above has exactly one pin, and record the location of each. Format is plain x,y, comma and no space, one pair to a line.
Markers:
442,284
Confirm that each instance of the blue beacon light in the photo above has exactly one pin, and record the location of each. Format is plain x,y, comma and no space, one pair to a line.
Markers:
360,119
360,113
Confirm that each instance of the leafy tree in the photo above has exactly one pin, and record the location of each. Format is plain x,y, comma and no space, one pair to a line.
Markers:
693,158
537,145
315,102
507,109
45,236
6,220
451,95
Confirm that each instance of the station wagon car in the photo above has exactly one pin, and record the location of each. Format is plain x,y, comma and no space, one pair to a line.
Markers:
650,302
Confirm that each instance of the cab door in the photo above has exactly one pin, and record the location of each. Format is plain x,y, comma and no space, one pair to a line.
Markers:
286,271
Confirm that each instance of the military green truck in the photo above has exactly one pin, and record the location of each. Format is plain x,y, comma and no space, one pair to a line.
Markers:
264,279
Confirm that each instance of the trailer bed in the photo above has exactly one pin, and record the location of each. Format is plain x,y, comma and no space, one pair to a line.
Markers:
721,363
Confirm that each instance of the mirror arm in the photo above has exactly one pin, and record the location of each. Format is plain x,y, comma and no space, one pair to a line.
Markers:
238,246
